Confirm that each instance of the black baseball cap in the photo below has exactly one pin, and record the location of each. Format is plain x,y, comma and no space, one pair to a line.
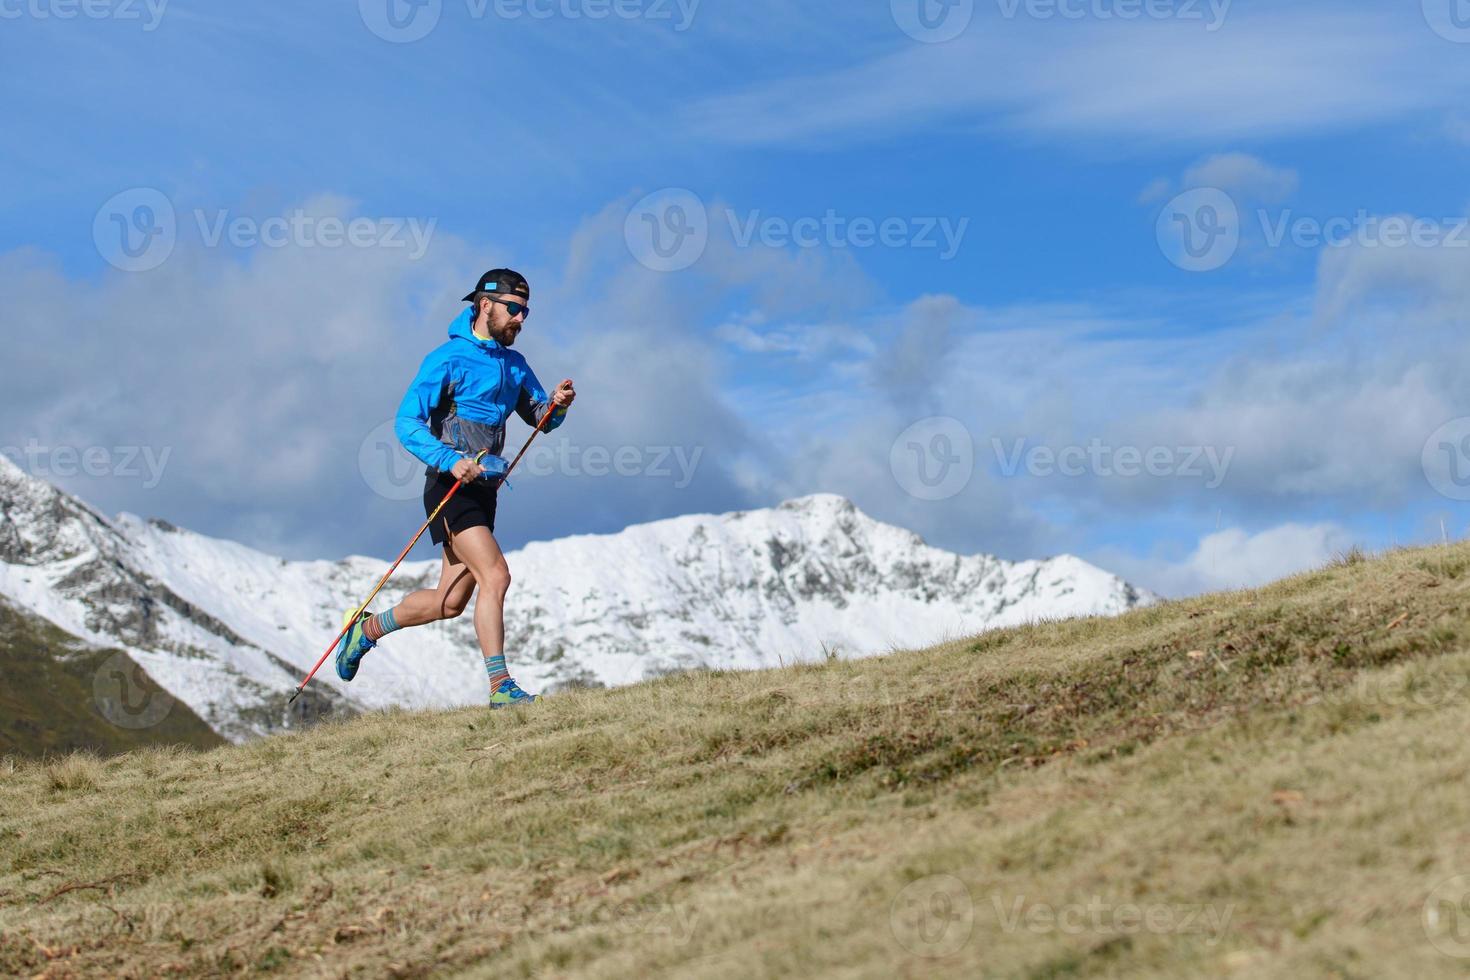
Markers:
501,281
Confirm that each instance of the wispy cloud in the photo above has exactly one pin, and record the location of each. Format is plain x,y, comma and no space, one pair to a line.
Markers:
1308,69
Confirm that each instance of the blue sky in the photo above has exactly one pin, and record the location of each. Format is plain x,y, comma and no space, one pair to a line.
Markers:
1026,302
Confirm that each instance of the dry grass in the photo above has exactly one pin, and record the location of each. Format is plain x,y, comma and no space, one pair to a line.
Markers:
78,771
1266,783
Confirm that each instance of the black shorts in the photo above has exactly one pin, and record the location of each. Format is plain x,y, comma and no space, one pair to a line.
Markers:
473,506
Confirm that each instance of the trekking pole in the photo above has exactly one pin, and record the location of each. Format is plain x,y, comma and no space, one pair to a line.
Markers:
384,580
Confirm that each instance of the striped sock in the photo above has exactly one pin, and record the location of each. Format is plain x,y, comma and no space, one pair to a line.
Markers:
495,667
380,626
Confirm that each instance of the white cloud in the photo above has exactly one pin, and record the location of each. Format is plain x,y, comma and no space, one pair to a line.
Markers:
1432,283
263,374
1288,411
1235,559
752,333
1244,175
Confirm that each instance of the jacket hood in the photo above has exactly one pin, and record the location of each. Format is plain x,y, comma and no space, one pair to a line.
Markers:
463,328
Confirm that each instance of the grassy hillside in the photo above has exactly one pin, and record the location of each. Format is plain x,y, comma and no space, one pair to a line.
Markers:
60,695
1267,783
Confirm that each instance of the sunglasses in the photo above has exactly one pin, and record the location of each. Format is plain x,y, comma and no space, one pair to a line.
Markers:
514,309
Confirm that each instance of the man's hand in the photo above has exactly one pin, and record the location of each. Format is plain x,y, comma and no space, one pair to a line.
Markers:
564,395
467,471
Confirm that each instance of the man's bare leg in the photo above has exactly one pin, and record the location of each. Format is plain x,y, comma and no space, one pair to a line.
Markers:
472,560
478,550
448,600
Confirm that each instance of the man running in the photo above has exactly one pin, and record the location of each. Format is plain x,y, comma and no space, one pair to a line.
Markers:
456,408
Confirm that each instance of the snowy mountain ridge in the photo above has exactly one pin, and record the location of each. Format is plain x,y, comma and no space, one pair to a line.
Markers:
230,630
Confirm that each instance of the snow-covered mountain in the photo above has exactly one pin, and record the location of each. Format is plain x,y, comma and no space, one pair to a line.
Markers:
230,631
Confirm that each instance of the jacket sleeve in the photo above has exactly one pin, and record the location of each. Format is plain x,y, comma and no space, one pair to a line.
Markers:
534,402
412,425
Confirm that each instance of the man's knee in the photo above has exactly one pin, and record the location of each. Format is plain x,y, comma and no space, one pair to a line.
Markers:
496,579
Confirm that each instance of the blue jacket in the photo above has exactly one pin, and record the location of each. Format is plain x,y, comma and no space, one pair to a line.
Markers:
462,396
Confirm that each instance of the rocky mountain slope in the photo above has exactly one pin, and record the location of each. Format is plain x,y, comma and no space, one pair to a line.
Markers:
229,630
